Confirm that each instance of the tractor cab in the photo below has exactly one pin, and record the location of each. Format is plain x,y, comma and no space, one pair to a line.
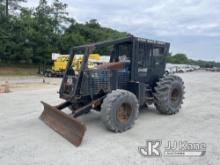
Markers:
133,62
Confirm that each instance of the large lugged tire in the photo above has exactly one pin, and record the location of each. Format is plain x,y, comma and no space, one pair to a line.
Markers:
119,110
169,94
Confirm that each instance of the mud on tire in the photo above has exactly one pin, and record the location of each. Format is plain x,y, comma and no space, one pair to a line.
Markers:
119,110
169,94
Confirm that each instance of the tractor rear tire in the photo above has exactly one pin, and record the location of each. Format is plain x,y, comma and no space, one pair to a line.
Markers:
119,110
169,94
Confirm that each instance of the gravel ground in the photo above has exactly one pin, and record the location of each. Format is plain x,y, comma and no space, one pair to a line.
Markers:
24,139
21,83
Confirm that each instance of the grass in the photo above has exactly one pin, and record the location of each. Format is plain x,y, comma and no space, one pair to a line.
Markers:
18,70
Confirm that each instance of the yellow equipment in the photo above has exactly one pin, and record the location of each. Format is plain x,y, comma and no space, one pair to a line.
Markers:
93,59
60,63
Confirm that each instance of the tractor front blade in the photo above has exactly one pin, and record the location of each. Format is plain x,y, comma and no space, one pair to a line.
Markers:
67,126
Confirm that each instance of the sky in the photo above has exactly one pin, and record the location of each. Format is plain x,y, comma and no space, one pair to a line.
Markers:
191,26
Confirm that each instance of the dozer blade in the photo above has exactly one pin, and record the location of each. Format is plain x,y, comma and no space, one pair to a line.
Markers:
70,128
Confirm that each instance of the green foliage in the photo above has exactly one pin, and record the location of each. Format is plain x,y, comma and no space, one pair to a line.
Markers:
11,6
78,34
33,35
178,59
182,59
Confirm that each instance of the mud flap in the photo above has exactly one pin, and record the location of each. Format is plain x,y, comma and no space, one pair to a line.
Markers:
70,128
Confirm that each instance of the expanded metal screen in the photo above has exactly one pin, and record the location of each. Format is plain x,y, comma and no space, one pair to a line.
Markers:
97,80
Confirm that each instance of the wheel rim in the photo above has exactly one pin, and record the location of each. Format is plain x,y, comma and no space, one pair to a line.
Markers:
124,113
175,97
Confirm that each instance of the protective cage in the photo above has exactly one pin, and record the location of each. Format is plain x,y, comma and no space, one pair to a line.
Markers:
96,81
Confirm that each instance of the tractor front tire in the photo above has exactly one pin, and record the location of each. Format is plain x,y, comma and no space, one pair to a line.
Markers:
169,94
119,110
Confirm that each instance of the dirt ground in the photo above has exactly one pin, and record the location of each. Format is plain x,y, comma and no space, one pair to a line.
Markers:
24,83
24,139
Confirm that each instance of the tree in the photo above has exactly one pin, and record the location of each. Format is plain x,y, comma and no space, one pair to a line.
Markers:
77,34
11,6
59,15
178,59
182,59
43,34
34,34
93,23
